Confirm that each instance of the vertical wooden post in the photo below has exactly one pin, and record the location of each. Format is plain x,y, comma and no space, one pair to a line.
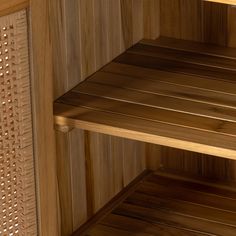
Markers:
42,96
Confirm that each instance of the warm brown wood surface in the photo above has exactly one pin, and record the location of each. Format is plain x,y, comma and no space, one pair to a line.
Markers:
231,2
10,6
85,36
207,22
178,18
89,34
191,117
162,205
44,139
202,21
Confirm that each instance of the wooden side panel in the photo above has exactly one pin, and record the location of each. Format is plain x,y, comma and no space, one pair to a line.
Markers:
87,35
115,162
78,177
134,160
106,180
42,99
92,169
65,188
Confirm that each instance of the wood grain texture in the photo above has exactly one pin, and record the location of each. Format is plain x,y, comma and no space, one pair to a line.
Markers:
92,169
151,18
110,171
110,102
10,6
65,187
181,19
65,32
232,26
84,58
198,20
164,205
42,99
231,2
215,23
210,22
87,35
71,171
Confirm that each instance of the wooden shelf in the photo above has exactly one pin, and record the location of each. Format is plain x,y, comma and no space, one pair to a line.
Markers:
169,92
163,205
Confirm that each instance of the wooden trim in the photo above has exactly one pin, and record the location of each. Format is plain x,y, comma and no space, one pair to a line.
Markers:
113,203
44,137
10,6
231,2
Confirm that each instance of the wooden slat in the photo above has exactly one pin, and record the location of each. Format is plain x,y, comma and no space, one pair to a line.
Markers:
155,208
167,89
203,198
192,46
195,185
196,57
176,66
158,101
101,230
177,220
183,207
143,130
149,113
172,78
143,226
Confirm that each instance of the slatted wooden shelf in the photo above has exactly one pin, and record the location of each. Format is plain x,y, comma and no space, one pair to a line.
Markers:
169,92
161,205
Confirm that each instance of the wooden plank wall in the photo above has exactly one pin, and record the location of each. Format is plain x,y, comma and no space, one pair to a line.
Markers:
92,168
205,22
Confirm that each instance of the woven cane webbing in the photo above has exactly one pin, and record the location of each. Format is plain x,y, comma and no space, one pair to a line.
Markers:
17,185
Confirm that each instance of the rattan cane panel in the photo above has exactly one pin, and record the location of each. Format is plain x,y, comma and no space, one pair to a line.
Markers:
17,182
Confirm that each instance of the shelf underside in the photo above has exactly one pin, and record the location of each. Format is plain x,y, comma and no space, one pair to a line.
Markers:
165,206
169,92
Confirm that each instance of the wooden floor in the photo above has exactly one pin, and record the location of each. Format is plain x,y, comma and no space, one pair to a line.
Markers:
164,206
169,92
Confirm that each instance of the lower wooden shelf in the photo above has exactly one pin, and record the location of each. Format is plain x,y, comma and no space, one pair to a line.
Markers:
166,206
169,92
